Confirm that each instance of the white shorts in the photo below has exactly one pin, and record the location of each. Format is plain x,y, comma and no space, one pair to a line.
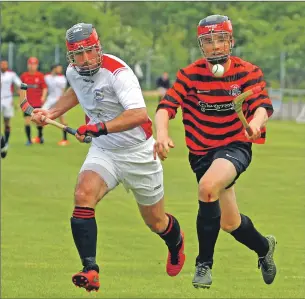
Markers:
7,108
49,103
134,167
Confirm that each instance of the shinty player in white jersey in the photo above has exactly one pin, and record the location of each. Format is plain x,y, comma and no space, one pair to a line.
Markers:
57,84
122,151
8,78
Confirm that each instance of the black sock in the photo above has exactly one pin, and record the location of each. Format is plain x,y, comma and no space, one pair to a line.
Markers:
28,132
2,142
39,128
249,236
172,234
65,135
84,232
7,132
208,226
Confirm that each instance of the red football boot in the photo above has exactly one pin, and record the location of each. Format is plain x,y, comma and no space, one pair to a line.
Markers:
87,279
175,259
36,140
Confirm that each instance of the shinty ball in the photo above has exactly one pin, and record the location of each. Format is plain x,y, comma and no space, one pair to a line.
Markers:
218,70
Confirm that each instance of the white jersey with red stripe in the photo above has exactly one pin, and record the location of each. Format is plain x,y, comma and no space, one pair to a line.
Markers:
8,78
108,93
56,86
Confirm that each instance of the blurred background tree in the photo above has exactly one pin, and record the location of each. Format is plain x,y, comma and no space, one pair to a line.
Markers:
160,36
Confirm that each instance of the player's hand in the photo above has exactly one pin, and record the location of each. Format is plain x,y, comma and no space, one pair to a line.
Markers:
162,146
256,129
94,130
39,115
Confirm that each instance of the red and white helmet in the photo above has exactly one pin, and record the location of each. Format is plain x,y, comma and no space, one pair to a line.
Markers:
215,38
84,49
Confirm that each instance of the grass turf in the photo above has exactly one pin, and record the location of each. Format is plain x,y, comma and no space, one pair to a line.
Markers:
38,253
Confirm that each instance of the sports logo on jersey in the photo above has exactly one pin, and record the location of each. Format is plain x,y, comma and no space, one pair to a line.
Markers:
235,91
216,107
99,95
36,80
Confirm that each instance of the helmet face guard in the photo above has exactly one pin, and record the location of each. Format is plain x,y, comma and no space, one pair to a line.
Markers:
215,38
84,49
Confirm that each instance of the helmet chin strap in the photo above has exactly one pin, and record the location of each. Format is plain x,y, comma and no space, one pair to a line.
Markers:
218,60
88,73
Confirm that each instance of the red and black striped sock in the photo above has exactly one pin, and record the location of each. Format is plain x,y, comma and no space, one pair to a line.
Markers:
84,230
172,234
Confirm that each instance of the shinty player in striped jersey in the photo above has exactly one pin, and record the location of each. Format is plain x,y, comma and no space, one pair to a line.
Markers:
219,147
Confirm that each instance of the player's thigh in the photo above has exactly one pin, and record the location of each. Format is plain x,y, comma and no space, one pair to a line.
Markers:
230,217
7,111
154,215
7,121
27,120
90,189
101,167
145,181
220,174
239,154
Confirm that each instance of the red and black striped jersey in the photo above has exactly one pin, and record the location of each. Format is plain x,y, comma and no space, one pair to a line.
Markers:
209,118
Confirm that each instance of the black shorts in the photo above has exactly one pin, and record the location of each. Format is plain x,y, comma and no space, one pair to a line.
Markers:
239,153
24,115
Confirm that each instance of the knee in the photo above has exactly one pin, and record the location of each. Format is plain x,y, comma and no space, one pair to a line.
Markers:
229,227
157,226
207,191
83,196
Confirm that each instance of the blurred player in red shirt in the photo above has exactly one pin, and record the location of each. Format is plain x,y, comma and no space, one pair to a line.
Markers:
36,95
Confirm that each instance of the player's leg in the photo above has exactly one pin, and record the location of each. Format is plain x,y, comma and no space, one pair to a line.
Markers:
8,112
240,226
3,147
219,175
7,129
64,141
242,229
144,176
27,127
94,181
167,227
40,138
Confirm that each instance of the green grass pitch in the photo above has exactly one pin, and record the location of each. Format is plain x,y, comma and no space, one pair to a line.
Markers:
37,250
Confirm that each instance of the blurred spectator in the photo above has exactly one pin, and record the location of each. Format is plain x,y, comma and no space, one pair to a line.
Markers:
163,84
57,84
36,95
8,80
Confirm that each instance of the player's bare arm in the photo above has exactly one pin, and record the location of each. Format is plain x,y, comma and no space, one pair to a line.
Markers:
44,95
163,141
259,121
66,102
127,120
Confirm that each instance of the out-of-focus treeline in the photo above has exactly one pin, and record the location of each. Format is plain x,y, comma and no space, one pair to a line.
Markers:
270,34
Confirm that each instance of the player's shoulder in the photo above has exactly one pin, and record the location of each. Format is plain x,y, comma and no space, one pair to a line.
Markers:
70,70
244,65
39,74
200,65
10,72
24,74
113,64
